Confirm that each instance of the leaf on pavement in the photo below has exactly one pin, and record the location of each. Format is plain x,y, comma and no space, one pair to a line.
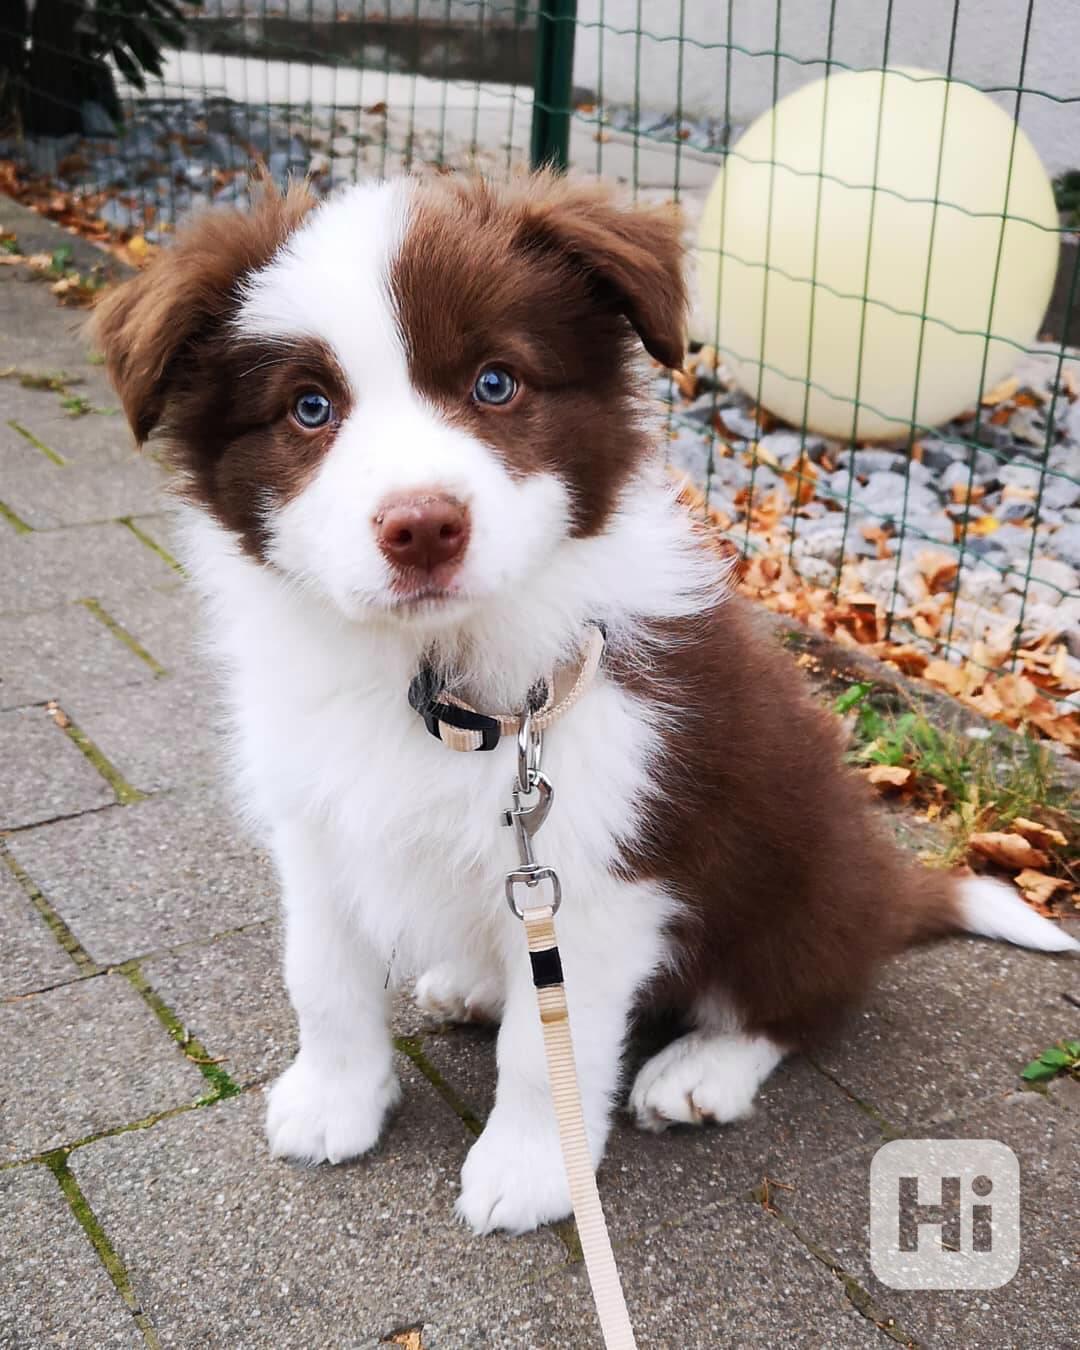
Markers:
1008,850
1042,836
1038,887
888,777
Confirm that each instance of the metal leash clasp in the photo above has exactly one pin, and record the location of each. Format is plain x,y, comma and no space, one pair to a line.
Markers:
526,817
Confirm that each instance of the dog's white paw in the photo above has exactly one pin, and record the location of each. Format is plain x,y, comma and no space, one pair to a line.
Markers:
700,1078
445,992
513,1179
316,1117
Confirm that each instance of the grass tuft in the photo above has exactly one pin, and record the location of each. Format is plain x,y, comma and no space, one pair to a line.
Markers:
974,783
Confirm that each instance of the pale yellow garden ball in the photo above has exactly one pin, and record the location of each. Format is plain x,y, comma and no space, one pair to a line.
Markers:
938,139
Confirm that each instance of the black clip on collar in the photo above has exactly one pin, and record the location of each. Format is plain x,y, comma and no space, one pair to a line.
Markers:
422,699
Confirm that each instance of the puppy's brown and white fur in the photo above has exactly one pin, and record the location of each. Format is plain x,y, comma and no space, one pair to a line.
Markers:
409,421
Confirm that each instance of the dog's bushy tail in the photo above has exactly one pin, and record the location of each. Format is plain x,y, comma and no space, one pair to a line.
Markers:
947,904
994,910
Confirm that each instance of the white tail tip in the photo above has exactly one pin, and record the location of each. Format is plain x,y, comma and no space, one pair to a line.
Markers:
994,910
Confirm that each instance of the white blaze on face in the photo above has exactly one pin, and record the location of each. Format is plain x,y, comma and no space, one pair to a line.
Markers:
332,282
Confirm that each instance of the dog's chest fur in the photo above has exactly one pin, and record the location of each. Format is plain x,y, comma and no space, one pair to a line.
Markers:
410,831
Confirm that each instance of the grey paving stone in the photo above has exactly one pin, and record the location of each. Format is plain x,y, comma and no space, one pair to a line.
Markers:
45,775
169,870
159,735
1041,1305
215,1234
167,624
32,958
61,650
88,1056
45,495
36,333
730,1277
97,439
55,1291
648,1179
43,569
230,995
950,1023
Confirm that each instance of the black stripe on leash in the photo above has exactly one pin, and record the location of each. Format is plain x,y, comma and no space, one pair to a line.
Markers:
546,968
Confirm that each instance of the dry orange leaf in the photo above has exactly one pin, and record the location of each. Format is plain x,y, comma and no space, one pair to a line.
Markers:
1008,850
1000,392
908,659
939,570
987,702
763,455
984,525
1042,836
801,479
888,777
951,678
1039,887
686,382
411,1338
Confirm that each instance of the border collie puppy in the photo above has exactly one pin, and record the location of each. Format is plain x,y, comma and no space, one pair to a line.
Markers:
410,432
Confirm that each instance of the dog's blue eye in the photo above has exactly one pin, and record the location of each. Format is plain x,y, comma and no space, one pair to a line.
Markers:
312,410
494,386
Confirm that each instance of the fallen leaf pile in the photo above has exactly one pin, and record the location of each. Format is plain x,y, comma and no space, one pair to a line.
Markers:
75,211
69,286
1036,857
1030,688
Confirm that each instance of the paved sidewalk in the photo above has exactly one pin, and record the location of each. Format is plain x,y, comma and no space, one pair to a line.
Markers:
142,1016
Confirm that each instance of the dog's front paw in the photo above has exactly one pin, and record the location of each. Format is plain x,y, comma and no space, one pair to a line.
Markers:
513,1179
448,994
316,1117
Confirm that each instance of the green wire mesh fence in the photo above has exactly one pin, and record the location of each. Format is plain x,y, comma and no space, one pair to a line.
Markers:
959,541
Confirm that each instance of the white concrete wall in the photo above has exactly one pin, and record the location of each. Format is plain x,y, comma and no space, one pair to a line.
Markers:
989,42
431,11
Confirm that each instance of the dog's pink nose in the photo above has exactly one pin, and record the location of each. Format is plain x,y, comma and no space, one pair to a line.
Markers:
423,531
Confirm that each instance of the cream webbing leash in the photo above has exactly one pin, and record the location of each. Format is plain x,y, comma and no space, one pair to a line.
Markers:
562,1075
460,727
539,922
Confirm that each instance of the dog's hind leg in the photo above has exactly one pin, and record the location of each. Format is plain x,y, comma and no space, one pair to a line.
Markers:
703,1076
461,991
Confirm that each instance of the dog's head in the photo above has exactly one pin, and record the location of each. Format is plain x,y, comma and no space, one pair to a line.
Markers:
411,395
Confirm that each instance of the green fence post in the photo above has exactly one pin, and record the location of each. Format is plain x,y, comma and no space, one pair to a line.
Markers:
556,21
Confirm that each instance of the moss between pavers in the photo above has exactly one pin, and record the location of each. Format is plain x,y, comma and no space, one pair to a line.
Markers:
46,450
857,1295
412,1048
121,634
151,544
56,1162
126,794
59,929
888,1131
191,1047
14,519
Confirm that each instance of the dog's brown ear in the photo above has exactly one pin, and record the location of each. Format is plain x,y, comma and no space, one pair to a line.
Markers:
146,326
633,254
